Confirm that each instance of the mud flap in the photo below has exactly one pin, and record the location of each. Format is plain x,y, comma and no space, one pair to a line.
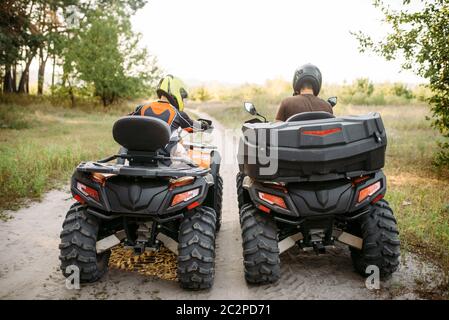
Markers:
289,242
168,242
349,239
110,242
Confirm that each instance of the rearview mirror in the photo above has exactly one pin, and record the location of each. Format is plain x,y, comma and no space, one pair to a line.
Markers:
250,108
332,101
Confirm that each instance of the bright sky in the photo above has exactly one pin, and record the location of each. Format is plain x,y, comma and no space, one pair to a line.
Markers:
236,41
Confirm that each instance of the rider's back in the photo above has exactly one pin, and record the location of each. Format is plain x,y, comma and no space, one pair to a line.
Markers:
301,103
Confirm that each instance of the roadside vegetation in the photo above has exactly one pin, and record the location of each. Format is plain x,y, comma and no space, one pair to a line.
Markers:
41,142
266,97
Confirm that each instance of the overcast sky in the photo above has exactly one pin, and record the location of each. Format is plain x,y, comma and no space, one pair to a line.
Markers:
236,41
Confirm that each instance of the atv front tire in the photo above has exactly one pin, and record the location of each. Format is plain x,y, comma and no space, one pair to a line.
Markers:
260,246
78,245
381,245
196,249
214,199
218,200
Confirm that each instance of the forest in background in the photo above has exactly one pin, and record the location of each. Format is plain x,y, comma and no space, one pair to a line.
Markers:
88,48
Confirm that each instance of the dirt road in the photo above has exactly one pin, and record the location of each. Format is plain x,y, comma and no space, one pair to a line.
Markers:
29,265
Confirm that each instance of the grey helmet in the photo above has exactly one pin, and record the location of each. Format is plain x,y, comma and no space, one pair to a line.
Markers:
307,73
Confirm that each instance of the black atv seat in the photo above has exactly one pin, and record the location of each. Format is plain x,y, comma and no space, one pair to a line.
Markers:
304,116
140,133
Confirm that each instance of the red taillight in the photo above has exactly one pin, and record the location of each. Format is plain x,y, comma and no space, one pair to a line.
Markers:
321,132
87,191
194,204
185,196
377,198
79,199
264,209
272,199
368,191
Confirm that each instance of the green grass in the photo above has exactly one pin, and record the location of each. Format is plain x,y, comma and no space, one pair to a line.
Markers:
40,145
417,191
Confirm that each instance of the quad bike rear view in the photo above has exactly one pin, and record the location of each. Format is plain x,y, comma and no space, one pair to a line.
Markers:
143,201
311,181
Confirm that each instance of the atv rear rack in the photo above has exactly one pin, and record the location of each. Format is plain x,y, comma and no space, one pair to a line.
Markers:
141,171
321,177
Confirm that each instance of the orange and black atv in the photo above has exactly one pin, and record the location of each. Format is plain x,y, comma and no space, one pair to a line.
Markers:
143,201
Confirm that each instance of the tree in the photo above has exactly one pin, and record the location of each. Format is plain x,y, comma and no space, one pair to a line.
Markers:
31,29
106,56
27,28
419,37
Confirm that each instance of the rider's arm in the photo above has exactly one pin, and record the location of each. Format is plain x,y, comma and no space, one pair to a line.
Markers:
186,122
137,111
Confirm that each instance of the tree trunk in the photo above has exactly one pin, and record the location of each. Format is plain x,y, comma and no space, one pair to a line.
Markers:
14,77
72,97
104,100
25,74
27,83
71,94
53,74
23,79
41,72
7,80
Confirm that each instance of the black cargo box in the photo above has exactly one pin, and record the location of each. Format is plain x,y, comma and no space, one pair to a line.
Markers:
313,150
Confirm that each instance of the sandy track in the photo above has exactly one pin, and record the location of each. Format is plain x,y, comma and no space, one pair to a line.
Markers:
29,265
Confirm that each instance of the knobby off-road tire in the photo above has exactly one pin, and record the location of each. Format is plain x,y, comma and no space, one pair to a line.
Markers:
196,249
242,195
218,201
381,245
78,245
260,246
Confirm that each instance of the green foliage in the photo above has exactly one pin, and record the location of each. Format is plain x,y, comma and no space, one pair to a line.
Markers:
100,55
364,92
200,94
104,54
419,38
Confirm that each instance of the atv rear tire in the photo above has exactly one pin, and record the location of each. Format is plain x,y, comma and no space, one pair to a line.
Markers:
196,249
78,245
242,194
381,245
260,246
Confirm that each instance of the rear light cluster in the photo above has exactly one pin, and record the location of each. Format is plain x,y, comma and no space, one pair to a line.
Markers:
185,196
321,133
87,191
272,199
183,181
369,191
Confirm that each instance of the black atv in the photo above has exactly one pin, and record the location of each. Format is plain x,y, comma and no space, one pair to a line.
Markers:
142,201
311,181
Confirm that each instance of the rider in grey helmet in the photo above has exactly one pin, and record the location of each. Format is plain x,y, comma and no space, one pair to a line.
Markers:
306,87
